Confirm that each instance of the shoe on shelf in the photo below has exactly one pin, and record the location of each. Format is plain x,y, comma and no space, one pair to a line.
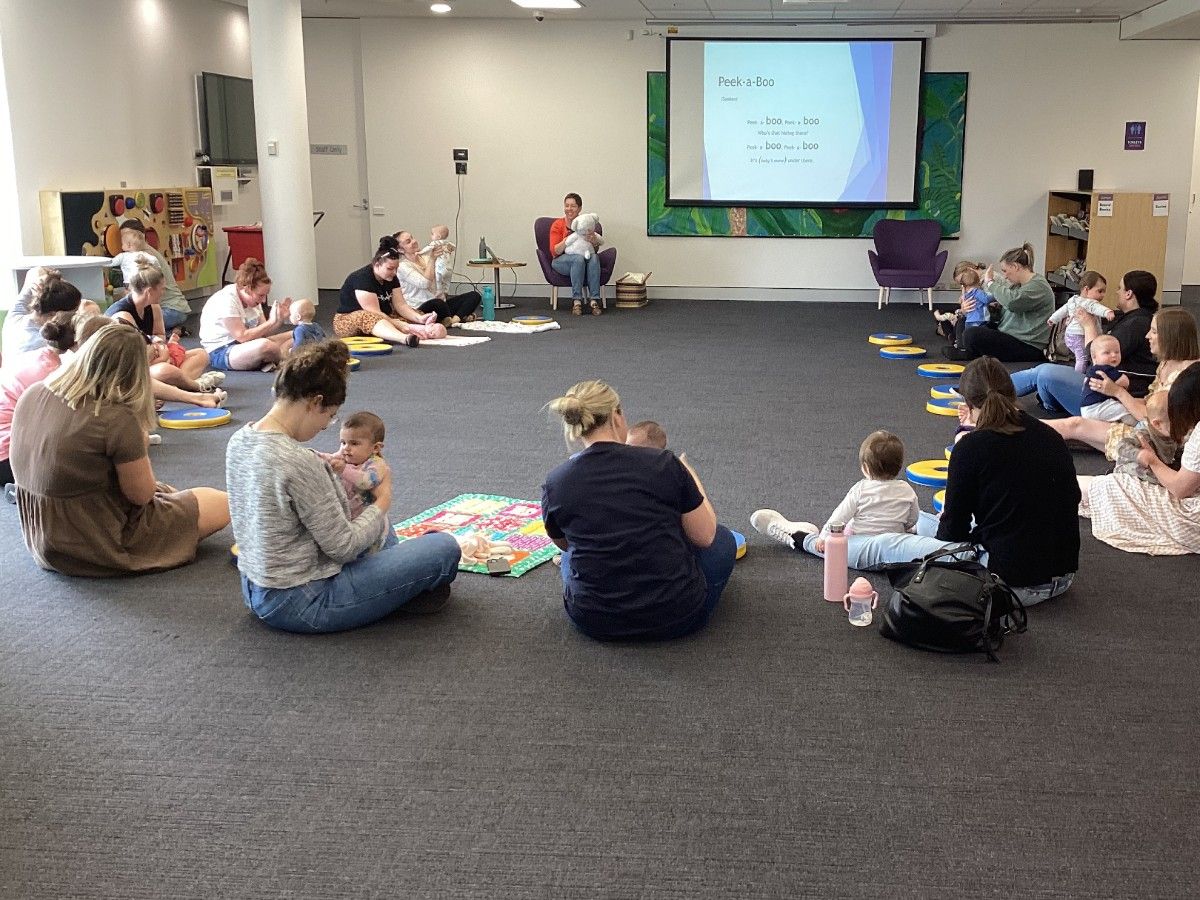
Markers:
772,523
210,380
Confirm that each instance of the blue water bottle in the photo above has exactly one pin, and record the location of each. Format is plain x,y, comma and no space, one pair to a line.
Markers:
489,302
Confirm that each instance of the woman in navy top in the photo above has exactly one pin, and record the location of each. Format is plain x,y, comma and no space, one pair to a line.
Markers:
644,557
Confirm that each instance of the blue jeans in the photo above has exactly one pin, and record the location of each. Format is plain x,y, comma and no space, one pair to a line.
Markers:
366,590
716,562
172,318
578,268
1059,388
871,551
868,552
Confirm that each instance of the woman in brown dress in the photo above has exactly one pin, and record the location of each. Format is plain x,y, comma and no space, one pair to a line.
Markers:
87,496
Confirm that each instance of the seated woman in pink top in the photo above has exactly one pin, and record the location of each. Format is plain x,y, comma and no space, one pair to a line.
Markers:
26,369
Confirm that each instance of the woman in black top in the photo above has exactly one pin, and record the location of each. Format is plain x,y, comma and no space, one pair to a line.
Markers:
371,301
1012,489
177,374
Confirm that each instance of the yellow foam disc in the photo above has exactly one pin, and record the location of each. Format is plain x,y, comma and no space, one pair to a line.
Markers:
890,340
941,369
939,500
355,341
928,472
941,409
944,392
199,418
906,351
354,363
741,551
233,548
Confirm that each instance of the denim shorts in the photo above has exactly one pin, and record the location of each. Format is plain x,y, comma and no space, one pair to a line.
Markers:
219,358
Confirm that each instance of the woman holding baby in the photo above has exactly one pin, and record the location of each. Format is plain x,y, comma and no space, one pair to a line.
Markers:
565,260
424,277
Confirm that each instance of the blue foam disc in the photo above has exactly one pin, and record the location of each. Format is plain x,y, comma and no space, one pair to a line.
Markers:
740,541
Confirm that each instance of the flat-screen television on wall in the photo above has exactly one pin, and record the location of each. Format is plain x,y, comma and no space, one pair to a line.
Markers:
225,110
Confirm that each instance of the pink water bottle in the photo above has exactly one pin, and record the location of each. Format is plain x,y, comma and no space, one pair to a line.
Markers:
835,563
859,601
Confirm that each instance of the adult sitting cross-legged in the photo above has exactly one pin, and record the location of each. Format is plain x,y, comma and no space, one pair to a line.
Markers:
306,565
643,555
1026,300
232,327
372,303
1010,489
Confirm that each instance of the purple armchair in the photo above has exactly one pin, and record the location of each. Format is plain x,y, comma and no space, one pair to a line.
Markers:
541,237
906,256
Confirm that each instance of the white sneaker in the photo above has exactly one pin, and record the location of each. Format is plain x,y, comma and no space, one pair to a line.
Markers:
772,523
155,440
210,380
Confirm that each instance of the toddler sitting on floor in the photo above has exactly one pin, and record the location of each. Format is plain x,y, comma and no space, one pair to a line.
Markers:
878,504
302,314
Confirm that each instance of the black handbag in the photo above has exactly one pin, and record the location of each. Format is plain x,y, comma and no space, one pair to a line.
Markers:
951,606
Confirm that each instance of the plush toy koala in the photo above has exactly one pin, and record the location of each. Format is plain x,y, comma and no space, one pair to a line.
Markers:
581,229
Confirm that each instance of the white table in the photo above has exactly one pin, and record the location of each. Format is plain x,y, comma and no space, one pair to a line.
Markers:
88,273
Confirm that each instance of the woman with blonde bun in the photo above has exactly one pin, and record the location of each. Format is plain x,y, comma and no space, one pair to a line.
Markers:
643,555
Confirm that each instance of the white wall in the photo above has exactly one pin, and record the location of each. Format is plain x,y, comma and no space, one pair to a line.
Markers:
1044,101
102,91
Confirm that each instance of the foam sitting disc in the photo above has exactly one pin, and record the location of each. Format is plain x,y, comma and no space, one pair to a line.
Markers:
902,352
233,554
193,418
940,370
379,348
928,472
949,450
740,540
939,501
532,320
356,341
946,407
887,339
353,364
945,392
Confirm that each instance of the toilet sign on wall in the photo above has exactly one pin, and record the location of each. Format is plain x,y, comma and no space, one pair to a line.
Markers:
1135,135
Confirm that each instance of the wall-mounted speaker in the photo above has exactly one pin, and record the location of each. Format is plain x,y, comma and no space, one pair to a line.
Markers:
1085,179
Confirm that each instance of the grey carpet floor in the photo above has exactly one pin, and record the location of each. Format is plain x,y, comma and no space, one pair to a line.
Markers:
156,741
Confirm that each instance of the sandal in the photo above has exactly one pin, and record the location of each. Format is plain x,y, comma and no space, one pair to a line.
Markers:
577,308
596,308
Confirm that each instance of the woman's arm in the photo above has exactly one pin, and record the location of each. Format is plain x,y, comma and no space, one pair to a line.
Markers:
237,330
1091,328
136,481
158,329
1022,298
700,525
1182,485
1119,392
560,231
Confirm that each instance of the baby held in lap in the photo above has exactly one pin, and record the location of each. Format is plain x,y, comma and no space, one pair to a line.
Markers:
1156,430
1106,357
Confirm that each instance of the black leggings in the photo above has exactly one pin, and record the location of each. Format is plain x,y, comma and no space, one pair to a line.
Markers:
461,305
6,475
984,341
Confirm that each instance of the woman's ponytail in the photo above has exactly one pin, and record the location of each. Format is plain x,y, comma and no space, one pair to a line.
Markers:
988,389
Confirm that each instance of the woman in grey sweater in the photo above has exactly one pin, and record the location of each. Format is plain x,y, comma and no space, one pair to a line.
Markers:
305,565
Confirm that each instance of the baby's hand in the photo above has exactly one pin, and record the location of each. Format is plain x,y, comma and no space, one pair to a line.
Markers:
820,545
1110,315
963,415
337,464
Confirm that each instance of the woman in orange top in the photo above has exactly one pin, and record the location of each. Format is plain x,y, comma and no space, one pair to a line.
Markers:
572,264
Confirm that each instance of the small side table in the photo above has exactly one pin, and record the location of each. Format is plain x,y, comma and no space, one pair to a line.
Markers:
496,265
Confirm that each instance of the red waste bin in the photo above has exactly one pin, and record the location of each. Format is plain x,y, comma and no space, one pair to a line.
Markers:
245,242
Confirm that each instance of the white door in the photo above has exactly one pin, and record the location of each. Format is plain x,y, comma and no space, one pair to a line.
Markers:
333,77
1191,249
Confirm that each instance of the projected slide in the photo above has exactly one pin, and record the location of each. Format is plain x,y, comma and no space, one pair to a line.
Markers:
793,122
